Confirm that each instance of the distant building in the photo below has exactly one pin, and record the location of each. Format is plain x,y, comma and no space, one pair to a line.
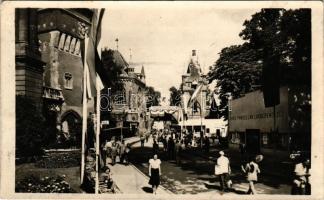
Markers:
191,80
128,100
282,128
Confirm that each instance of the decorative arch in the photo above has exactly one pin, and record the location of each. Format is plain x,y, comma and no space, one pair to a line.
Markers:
71,112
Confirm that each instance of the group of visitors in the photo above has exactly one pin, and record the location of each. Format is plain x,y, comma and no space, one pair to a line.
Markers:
115,151
250,169
173,146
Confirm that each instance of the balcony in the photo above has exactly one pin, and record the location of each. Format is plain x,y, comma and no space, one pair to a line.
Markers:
52,94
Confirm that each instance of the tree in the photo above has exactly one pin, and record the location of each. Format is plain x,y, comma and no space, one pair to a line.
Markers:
277,52
285,34
175,96
111,69
152,97
237,71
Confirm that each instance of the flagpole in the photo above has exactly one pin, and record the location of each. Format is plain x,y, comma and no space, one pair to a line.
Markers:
84,120
97,135
201,123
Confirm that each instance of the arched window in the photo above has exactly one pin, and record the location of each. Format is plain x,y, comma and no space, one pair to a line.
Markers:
68,81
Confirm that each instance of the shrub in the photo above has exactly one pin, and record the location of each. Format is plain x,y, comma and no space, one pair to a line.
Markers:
34,184
29,128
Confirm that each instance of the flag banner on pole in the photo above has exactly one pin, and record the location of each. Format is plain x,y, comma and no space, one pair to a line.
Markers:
92,54
185,104
92,83
194,96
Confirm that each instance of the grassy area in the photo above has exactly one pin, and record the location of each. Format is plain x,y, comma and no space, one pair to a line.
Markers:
72,174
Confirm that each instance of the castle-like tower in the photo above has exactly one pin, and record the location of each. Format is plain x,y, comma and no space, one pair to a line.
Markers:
128,105
191,80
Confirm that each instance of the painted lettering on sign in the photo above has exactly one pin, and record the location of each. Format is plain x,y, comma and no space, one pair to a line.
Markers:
257,116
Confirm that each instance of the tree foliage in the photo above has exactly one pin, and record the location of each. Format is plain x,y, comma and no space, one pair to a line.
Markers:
111,69
237,71
270,35
153,97
175,96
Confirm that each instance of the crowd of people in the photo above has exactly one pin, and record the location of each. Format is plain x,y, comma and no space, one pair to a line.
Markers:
174,143
115,151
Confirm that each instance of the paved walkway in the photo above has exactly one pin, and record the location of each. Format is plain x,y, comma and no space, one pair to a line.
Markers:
130,180
195,174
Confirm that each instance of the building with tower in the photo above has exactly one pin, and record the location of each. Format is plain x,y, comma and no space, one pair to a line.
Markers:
128,112
196,100
49,66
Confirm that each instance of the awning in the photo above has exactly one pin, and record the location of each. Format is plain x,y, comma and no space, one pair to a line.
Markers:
162,111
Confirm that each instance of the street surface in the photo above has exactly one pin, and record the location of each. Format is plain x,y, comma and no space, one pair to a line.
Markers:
195,174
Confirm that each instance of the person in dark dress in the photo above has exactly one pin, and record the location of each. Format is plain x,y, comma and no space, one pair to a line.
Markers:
154,172
171,147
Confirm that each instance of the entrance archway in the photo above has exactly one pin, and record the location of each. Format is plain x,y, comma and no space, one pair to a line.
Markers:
71,128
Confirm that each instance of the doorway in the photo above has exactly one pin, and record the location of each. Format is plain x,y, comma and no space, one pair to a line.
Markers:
253,141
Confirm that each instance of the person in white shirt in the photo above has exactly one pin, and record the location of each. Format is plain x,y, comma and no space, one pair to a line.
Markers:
223,169
252,170
301,183
154,172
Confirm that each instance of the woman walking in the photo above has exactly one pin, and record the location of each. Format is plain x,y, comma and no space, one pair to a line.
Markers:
252,170
154,172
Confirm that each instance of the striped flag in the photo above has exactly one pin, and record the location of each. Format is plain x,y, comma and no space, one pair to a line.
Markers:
92,52
92,83
194,96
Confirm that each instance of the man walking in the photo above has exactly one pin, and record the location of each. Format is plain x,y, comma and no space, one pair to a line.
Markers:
207,144
222,169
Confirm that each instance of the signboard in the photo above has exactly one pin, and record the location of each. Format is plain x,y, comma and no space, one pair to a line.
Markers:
249,112
105,122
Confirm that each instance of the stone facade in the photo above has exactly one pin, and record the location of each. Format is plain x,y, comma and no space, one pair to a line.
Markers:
49,67
29,66
60,46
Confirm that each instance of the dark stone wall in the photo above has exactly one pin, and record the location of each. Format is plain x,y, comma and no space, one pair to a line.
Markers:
29,67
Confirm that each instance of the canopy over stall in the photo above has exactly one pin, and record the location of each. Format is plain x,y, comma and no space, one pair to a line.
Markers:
166,113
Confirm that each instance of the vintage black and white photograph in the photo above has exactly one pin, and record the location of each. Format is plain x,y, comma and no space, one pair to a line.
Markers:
164,100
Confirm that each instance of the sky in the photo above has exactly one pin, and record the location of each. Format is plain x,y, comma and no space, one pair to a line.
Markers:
162,37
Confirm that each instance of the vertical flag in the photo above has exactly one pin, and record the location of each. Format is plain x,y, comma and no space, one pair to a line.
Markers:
194,96
92,53
91,81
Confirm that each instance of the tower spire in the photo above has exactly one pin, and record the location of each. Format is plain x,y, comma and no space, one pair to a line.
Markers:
130,55
116,43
